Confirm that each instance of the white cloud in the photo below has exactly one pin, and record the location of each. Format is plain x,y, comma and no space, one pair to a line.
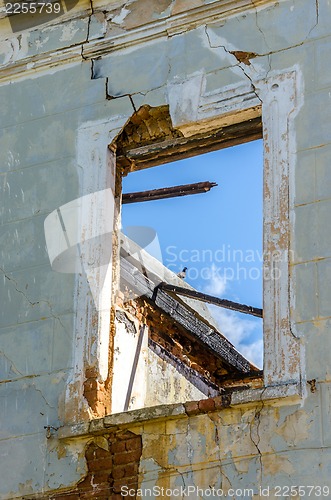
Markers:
244,334
254,352
217,283
240,332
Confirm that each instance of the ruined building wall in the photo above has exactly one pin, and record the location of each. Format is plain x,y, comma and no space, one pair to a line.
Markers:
68,86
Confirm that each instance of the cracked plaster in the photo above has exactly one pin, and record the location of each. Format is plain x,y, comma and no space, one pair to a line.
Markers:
256,445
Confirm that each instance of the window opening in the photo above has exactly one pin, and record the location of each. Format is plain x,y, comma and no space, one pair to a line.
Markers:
218,239
190,234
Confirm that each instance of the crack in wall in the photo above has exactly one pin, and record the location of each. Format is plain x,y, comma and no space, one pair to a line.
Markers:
12,367
88,31
248,55
43,397
259,27
257,422
11,279
317,19
110,97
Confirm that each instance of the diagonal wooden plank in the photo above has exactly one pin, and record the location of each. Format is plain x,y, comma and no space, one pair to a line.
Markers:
210,299
182,314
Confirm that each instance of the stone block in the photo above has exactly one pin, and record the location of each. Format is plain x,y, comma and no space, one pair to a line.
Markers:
316,106
323,61
63,342
18,460
251,39
54,136
305,177
19,345
59,91
317,340
312,239
135,70
324,287
35,294
40,189
294,20
33,402
323,173
23,244
301,58
326,411
305,289
37,142
182,48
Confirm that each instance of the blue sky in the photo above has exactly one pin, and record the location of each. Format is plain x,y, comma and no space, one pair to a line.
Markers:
217,235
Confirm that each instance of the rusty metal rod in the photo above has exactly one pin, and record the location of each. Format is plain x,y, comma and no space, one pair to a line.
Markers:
210,299
169,192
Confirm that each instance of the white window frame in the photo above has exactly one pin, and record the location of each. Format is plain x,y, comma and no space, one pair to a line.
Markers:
192,110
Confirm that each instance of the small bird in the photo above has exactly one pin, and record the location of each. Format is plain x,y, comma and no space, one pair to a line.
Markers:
182,274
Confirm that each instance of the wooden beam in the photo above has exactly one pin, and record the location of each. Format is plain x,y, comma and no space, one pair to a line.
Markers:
170,192
134,367
183,315
175,149
210,299
204,385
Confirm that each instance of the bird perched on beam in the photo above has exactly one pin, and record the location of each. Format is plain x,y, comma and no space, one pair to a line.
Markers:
182,274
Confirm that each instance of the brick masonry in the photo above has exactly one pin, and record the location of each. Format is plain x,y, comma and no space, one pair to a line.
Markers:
108,470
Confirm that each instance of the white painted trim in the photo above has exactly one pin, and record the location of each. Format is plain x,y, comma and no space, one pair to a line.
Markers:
281,96
96,167
192,109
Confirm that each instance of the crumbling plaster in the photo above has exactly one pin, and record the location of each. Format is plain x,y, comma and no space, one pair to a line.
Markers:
58,82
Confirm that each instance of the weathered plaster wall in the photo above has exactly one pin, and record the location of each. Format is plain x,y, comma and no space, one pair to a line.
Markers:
154,380
52,94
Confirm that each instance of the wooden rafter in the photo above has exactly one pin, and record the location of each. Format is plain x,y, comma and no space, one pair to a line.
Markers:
184,315
170,192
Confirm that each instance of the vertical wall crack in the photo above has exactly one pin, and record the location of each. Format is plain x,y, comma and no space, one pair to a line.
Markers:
88,30
243,58
11,279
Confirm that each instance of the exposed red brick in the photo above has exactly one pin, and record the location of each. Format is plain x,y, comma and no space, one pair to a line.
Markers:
117,447
101,464
108,470
94,452
127,457
119,471
192,408
131,470
90,385
222,401
91,372
65,496
133,444
129,482
207,404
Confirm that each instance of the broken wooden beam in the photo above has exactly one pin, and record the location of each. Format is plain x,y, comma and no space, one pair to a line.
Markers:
174,149
169,192
181,313
210,299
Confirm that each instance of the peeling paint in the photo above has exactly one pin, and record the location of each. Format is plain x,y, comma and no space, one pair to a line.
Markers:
74,85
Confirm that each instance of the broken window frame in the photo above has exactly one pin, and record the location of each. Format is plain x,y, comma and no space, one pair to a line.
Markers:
277,100
166,296
282,350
